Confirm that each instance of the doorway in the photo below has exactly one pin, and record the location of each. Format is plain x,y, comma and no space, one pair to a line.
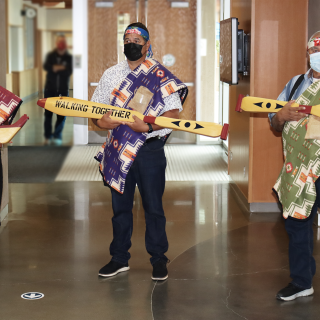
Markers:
173,34
32,29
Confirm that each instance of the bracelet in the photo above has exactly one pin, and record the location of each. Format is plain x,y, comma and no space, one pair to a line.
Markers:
150,128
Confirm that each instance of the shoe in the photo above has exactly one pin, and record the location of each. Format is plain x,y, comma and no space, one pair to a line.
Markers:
57,142
113,268
292,292
160,271
47,142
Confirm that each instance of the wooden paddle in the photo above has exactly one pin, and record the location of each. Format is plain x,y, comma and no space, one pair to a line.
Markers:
7,132
71,107
254,104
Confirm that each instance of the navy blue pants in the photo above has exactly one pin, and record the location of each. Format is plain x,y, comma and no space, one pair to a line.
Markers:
57,133
148,172
302,263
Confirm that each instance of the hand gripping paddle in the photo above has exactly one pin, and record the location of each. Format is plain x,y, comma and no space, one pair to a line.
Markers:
71,107
253,104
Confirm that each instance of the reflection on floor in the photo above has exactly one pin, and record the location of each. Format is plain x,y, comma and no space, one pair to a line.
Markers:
225,263
32,133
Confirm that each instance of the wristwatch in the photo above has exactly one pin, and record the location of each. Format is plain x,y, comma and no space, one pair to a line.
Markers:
150,128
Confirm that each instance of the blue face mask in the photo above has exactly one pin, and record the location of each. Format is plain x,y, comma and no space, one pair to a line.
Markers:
315,61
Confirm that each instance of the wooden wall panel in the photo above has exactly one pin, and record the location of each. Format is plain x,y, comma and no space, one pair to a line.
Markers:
173,30
278,51
239,122
278,45
102,41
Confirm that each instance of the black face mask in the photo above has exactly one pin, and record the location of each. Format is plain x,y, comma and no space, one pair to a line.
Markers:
133,51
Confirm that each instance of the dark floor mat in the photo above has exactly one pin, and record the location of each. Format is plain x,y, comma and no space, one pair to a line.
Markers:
35,164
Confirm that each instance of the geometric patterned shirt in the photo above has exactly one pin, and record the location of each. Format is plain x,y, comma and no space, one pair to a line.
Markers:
113,76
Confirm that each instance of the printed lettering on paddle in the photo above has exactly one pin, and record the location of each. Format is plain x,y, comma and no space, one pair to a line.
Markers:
123,114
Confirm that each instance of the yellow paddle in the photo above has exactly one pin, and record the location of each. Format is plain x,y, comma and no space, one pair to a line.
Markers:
254,104
71,107
7,132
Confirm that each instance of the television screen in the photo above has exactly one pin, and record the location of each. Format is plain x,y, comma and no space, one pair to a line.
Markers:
229,50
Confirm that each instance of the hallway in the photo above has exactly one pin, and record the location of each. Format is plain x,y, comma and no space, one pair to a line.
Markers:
33,132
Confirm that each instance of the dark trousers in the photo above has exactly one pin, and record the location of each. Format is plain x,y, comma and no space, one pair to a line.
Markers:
57,133
148,172
302,263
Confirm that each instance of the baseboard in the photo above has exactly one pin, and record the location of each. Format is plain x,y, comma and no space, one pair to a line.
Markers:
255,206
265,207
3,214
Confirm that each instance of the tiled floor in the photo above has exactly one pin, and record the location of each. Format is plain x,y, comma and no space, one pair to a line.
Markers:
184,163
225,263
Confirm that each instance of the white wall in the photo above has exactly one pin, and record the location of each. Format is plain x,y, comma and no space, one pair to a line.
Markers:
14,15
16,60
80,74
59,19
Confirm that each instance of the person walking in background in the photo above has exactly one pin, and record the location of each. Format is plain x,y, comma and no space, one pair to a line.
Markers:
58,65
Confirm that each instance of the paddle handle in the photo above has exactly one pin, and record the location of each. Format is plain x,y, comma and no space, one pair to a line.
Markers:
238,106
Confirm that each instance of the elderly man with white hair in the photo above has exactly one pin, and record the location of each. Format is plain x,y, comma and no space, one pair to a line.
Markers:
298,186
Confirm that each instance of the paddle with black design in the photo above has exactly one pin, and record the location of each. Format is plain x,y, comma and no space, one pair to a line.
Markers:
71,107
254,104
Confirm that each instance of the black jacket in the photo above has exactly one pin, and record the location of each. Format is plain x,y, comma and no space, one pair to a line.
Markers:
58,82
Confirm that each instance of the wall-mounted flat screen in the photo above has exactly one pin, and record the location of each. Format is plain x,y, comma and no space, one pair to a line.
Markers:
229,50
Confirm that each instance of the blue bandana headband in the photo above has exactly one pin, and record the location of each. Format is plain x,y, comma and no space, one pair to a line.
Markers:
141,32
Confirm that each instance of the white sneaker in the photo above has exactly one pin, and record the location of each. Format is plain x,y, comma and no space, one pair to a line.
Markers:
57,142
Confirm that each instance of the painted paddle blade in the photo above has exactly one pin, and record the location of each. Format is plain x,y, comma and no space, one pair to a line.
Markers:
208,129
7,132
71,107
253,104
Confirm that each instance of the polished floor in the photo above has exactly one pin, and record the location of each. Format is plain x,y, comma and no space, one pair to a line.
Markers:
225,263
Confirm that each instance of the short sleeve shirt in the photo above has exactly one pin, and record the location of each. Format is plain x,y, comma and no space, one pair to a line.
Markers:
113,76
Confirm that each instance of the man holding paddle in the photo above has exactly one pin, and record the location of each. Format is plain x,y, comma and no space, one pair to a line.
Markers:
298,186
134,152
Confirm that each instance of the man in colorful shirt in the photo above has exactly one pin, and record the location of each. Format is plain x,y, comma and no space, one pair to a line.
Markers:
134,152
297,187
